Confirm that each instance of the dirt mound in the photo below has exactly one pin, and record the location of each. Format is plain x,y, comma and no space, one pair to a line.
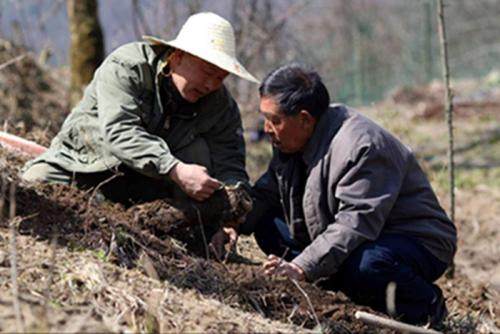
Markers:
32,102
125,237
169,246
75,292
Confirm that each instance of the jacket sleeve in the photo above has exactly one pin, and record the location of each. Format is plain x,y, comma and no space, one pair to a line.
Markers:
366,193
266,200
119,112
227,146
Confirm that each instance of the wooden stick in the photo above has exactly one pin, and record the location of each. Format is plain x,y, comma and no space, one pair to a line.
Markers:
15,143
373,319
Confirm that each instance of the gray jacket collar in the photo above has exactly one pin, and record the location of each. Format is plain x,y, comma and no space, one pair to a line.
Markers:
326,128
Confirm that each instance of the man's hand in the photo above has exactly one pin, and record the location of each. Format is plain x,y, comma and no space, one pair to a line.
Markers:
277,266
224,236
194,180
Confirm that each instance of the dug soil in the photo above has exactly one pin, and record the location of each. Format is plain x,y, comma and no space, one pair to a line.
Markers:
165,242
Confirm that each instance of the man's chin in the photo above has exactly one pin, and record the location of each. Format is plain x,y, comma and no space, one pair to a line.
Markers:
192,99
285,150
278,146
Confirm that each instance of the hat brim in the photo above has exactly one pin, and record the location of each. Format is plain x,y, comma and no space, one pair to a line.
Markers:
219,59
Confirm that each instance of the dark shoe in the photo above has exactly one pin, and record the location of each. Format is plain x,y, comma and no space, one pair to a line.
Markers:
438,311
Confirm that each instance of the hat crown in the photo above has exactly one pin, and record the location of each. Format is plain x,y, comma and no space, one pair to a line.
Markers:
208,30
211,38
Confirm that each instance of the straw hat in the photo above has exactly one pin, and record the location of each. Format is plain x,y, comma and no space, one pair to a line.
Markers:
211,38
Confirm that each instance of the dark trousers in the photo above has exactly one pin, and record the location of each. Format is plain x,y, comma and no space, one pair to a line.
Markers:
367,271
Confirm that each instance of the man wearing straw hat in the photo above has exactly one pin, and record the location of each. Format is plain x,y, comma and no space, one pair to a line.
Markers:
156,120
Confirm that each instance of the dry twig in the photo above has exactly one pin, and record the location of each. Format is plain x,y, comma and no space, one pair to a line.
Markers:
12,61
204,237
373,319
2,196
308,302
94,190
46,293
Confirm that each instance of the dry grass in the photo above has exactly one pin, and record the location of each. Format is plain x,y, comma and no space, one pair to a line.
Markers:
92,295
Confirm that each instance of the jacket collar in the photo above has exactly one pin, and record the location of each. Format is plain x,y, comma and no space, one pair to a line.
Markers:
326,128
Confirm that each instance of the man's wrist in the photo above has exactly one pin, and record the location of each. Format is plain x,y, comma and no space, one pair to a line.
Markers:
173,173
299,270
303,272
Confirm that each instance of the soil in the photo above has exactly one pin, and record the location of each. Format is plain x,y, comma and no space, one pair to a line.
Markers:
123,237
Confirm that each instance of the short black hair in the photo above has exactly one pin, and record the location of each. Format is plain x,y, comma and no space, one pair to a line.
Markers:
296,87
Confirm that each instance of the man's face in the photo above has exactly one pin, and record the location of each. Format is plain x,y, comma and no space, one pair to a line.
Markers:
289,134
193,77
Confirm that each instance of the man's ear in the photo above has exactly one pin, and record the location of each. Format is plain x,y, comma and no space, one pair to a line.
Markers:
175,58
306,118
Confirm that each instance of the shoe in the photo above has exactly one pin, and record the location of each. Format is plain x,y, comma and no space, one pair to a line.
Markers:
438,311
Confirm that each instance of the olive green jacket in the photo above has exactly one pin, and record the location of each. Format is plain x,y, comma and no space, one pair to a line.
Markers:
122,117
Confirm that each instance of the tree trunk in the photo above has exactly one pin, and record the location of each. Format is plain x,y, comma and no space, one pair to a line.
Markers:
87,45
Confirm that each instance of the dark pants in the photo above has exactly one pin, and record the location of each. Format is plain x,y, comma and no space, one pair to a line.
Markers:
367,271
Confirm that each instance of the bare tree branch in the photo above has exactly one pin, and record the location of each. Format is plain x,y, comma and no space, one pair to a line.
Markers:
448,100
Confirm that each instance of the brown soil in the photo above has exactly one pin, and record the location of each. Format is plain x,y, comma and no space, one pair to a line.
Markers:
169,246
126,237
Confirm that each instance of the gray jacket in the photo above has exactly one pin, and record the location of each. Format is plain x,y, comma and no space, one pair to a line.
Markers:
361,182
122,117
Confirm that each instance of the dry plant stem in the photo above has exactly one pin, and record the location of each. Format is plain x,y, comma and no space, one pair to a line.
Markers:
373,319
52,261
109,179
308,301
255,304
204,237
13,258
12,201
12,61
282,258
2,196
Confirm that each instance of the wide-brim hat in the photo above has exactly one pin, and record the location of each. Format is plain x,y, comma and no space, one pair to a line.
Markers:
211,38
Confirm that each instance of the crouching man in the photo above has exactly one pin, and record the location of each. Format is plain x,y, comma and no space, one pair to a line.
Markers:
156,121
345,203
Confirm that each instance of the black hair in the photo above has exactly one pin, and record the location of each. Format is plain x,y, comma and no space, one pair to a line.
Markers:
295,88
